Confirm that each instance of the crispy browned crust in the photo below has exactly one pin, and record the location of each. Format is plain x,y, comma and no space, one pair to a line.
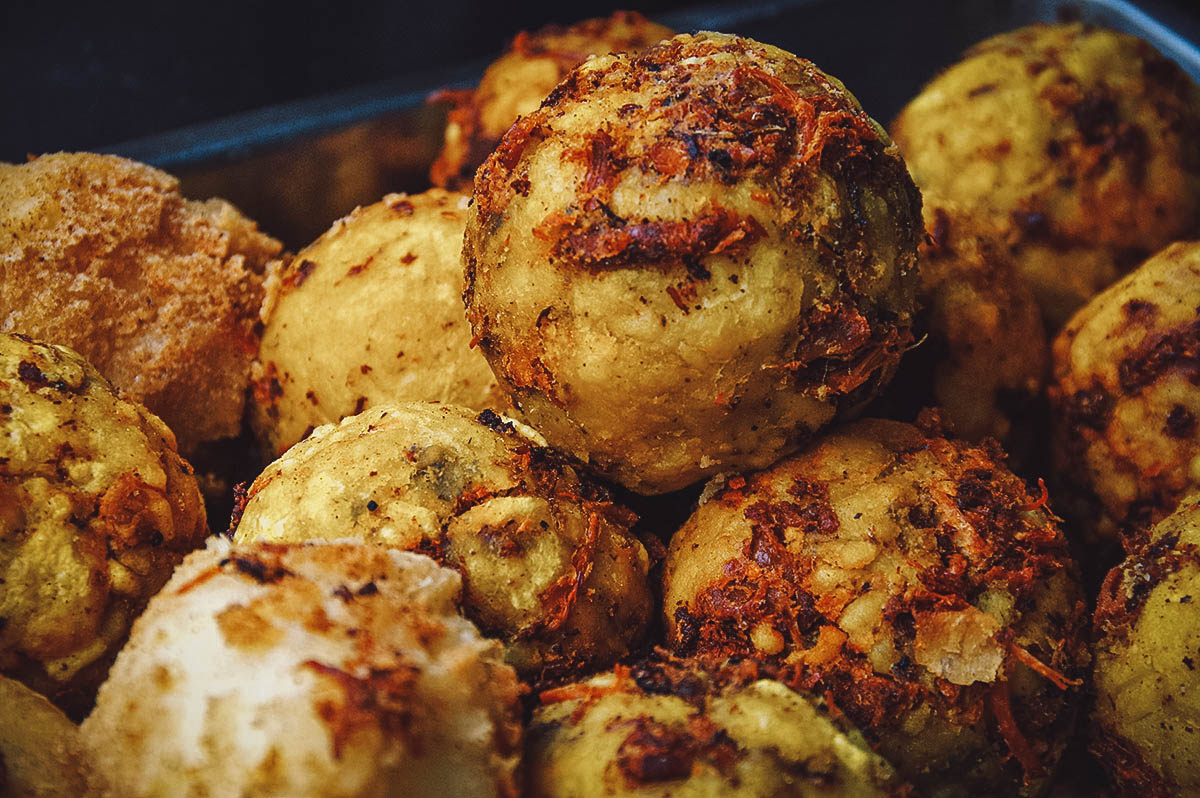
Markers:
1128,585
1128,771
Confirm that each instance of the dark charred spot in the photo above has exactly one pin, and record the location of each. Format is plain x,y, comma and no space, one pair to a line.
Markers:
301,272
369,589
654,752
1181,423
359,404
1090,408
1139,311
402,207
1173,349
1096,116
262,572
984,88
342,592
493,421
32,376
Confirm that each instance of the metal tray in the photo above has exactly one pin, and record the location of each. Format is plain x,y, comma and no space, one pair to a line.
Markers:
298,166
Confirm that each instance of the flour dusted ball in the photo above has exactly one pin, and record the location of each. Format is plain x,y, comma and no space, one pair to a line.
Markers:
672,728
518,81
370,312
911,580
41,755
1079,142
688,260
96,509
322,669
1146,720
1126,397
160,293
548,562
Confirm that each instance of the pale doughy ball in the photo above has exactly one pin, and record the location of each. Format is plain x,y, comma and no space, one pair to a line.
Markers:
548,562
96,509
41,755
159,292
324,670
518,81
671,729
689,260
1079,142
369,313
911,580
1126,396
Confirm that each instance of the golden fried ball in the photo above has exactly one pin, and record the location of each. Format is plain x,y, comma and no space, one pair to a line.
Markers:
96,509
41,755
323,669
670,729
370,313
1080,143
548,561
910,579
687,261
518,81
1146,719
984,356
160,293
1126,397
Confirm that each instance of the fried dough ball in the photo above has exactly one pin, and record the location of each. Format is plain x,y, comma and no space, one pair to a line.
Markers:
669,728
688,261
96,509
41,755
910,579
160,293
325,669
518,81
985,356
1126,398
548,561
1146,720
370,313
1080,143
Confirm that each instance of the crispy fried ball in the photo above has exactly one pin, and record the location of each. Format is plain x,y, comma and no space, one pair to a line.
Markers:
1146,720
96,509
984,356
161,293
370,313
321,669
548,561
1126,396
687,261
41,755
913,581
671,728
518,81
1080,143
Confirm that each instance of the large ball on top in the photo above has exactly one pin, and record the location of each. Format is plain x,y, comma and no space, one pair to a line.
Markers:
688,260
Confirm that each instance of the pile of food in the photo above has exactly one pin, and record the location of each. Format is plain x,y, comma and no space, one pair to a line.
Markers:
693,436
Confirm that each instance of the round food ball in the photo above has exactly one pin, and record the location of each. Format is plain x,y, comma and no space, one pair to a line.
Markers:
370,313
96,509
911,580
548,562
687,261
1079,142
160,293
672,728
518,81
41,755
1146,720
1126,397
326,669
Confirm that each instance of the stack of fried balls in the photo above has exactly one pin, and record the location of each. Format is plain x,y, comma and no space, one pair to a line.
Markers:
691,436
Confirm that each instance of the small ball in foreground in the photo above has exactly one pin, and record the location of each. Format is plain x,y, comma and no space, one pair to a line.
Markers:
670,728
318,670
911,580
369,313
687,261
96,509
1126,398
1146,721
1079,143
548,562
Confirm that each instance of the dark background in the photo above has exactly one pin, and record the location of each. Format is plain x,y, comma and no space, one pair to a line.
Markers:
96,75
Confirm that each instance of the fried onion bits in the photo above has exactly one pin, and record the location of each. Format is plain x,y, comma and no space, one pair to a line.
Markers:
319,669
912,580
1147,642
1126,398
548,562
671,728
688,260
